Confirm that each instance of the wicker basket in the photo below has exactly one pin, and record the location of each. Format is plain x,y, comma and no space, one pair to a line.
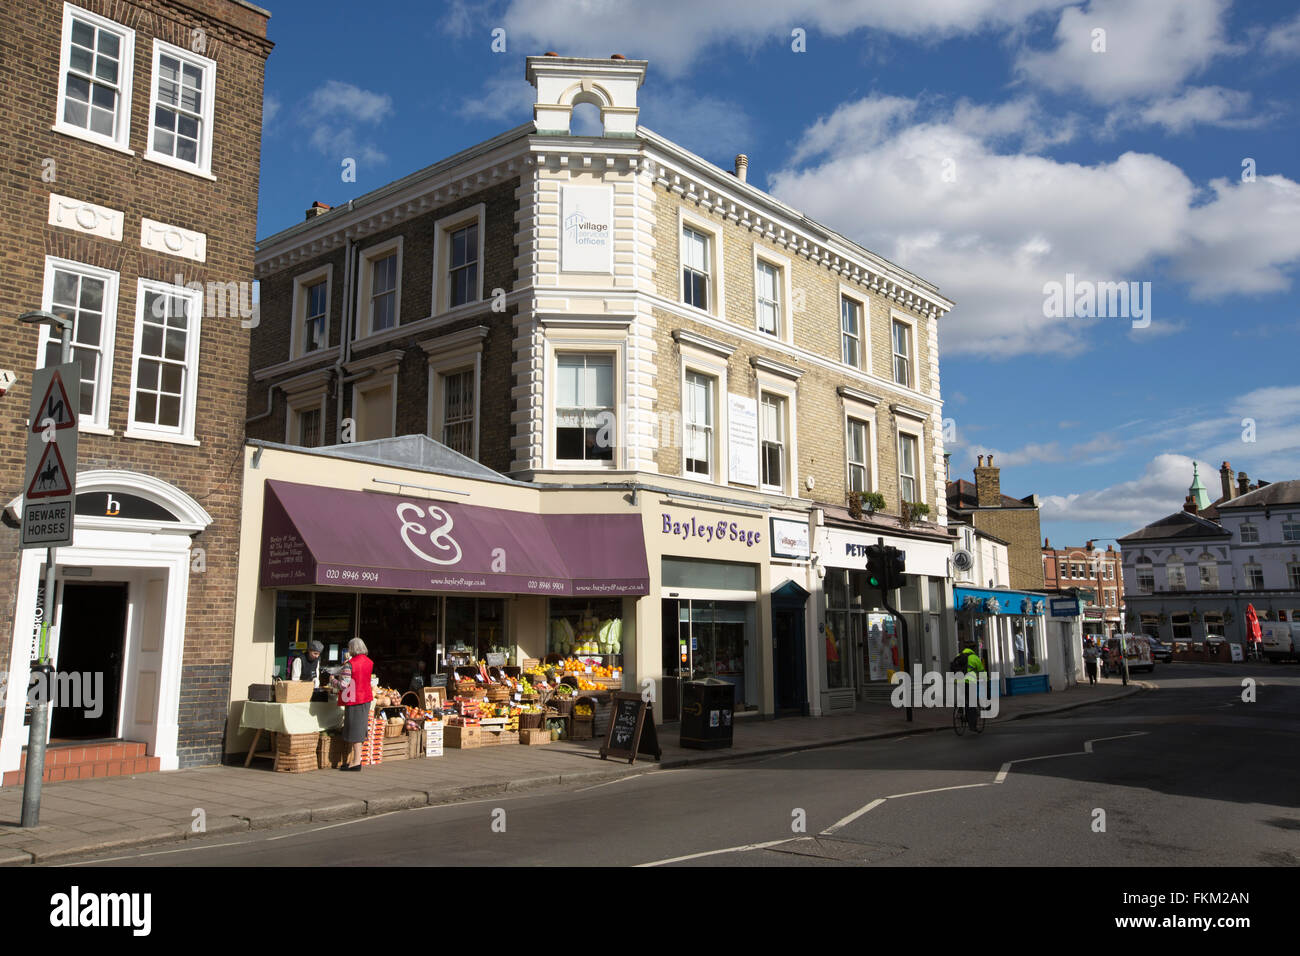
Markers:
296,744
394,727
293,691
530,721
561,705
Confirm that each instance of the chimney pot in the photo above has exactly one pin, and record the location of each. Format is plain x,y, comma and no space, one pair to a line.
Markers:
990,461
617,56
1047,544
1243,483
317,209
1225,479
981,464
742,166
550,53
1189,505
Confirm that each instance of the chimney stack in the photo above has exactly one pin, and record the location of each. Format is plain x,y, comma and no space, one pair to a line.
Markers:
742,166
988,486
317,209
1243,483
1189,505
1047,544
1225,480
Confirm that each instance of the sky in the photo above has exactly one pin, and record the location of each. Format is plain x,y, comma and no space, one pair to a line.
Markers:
1019,154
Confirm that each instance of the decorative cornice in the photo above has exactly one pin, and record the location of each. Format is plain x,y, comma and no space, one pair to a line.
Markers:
312,381
303,361
847,391
776,368
686,337
380,362
906,412
472,336
586,321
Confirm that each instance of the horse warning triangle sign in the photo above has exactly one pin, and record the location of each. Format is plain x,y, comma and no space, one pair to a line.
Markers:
55,405
51,478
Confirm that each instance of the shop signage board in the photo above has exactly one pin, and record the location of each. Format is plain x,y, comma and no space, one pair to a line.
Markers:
50,484
496,660
789,539
742,440
1065,607
631,729
587,237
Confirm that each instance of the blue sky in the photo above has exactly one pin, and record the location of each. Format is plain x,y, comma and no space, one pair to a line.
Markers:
991,146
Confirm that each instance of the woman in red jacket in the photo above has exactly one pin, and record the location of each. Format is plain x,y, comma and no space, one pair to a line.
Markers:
355,696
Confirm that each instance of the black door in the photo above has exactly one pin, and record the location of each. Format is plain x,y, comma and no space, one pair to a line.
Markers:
788,660
92,638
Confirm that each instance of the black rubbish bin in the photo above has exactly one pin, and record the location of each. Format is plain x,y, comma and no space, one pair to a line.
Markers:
707,707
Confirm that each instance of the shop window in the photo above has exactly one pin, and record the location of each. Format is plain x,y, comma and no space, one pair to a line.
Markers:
401,632
180,113
87,296
714,575
96,66
716,638
578,625
1182,625
1214,625
475,628
584,407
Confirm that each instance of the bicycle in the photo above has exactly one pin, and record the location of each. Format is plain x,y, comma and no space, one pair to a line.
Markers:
959,723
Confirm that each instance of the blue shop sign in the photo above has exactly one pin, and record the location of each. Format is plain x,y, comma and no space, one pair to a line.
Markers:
1065,607
988,601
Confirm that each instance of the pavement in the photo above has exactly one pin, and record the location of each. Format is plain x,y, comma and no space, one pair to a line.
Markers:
85,817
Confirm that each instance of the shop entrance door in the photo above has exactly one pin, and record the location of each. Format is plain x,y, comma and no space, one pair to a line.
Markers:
789,649
92,639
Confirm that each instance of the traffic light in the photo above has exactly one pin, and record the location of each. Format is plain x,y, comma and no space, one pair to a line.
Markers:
895,567
877,572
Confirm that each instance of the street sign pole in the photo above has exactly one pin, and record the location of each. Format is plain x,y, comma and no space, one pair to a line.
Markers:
42,669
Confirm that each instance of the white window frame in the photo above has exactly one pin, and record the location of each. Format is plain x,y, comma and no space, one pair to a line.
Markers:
1170,566
443,228
858,410
904,426
868,453
121,138
448,355
301,283
1140,565
782,405
1254,533
293,425
1294,525
369,256
591,339
864,330
913,365
785,307
1250,570
183,433
98,424
552,424
703,360
717,298
785,386
711,428
302,393
203,165
383,367
1202,563
1293,576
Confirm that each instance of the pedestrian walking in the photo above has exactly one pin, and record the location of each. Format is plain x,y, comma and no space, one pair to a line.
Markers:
1090,656
356,695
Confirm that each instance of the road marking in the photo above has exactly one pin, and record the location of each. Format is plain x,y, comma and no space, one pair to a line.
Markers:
609,783
1087,749
853,816
917,793
136,856
731,849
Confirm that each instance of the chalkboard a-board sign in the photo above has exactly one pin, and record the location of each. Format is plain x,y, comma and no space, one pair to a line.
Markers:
630,732
436,680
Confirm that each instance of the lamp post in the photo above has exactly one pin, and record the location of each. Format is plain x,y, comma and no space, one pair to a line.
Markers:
34,768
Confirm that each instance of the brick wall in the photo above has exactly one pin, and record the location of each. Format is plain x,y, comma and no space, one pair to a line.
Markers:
1020,529
271,340
224,209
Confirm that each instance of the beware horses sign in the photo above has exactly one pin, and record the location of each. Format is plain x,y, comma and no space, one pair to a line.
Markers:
51,487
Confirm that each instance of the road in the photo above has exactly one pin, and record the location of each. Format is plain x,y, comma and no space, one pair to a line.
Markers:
1185,774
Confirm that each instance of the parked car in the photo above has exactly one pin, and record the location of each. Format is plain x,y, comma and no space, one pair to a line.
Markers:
1160,651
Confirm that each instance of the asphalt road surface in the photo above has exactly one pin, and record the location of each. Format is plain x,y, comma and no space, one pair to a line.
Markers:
1186,774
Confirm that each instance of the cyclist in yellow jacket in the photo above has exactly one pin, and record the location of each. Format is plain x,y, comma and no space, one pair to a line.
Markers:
968,662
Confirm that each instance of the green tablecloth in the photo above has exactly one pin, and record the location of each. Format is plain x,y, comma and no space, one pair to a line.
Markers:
305,718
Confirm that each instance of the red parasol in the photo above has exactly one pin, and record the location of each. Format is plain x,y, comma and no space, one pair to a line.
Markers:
1252,624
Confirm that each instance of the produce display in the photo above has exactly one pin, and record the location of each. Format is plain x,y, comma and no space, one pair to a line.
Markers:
583,710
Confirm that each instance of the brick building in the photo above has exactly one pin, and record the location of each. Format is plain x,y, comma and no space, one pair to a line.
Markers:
613,310
1015,520
1099,577
129,136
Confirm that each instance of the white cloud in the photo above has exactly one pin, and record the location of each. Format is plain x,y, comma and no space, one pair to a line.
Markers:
1284,39
270,109
1210,105
992,226
676,35
1150,47
1158,492
335,111
506,97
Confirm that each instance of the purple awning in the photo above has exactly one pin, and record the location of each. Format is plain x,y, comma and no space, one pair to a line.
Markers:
360,539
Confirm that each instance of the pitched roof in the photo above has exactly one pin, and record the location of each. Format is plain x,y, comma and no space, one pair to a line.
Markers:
963,497
1180,524
1278,493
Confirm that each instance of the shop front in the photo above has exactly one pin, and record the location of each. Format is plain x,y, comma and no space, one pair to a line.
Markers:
1008,630
432,571
861,642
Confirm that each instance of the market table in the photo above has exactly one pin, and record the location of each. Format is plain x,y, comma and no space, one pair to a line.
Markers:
304,718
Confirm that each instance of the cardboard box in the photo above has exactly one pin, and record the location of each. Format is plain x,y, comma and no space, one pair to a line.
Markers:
463,738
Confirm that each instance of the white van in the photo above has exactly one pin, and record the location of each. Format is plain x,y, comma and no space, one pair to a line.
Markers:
1279,640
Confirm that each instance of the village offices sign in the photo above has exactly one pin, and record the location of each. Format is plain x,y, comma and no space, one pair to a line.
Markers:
587,229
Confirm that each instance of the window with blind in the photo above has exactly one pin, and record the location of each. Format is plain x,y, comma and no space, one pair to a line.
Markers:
584,407
698,412
767,281
772,422
856,447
